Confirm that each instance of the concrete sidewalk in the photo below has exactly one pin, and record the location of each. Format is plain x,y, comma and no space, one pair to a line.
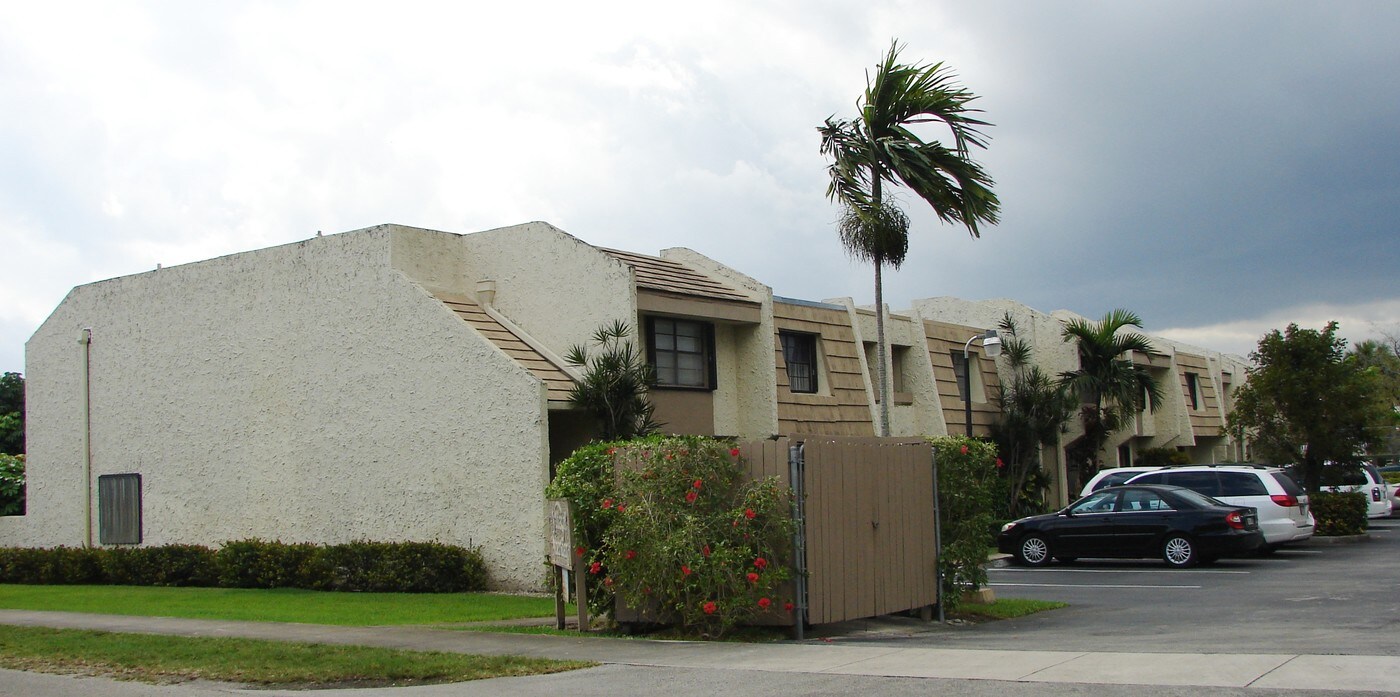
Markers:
1287,671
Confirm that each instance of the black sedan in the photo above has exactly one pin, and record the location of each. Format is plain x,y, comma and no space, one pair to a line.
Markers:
1182,527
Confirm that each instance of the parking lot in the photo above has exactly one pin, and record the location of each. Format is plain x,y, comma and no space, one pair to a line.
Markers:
1314,598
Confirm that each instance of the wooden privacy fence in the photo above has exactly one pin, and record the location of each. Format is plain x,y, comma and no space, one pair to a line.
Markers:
866,522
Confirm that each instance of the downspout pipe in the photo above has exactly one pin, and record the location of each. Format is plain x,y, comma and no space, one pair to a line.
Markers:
86,341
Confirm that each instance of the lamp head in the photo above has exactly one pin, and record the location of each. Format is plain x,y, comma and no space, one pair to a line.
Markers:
991,343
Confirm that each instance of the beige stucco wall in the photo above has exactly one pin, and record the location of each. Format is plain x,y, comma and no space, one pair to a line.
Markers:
307,392
746,399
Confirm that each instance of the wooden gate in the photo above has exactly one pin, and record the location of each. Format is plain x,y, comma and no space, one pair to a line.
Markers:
868,514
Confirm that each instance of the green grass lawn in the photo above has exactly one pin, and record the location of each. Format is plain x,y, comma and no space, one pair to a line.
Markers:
269,663
279,605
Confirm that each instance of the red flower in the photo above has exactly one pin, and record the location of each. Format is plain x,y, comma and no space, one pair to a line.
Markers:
621,508
788,606
607,581
1000,464
764,603
579,551
607,503
595,567
685,570
964,450
630,554
752,577
734,452
696,484
761,563
690,496
612,450
735,524
705,550
710,607
748,513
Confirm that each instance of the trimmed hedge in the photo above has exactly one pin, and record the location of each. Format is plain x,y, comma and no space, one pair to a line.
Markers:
1338,513
391,567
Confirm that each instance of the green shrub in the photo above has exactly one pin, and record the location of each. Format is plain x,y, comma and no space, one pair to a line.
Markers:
692,540
167,565
11,484
405,567
968,501
54,566
257,563
1338,513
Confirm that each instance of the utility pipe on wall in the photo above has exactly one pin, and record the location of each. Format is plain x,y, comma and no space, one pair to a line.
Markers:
86,341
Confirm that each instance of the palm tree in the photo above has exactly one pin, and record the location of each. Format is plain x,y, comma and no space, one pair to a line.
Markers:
1034,410
878,147
1110,387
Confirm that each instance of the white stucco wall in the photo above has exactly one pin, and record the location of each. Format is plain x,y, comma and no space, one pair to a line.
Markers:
308,392
554,286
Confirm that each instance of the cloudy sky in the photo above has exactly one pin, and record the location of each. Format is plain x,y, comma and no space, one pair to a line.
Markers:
1220,168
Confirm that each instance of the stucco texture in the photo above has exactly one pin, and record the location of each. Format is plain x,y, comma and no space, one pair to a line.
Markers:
308,392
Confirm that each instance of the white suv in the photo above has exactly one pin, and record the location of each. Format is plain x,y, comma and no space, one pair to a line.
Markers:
1282,504
1364,479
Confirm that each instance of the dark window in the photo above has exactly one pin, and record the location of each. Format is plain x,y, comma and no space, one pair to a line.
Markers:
1142,500
1201,482
960,372
1290,487
1193,390
119,509
1097,502
1115,479
800,354
682,352
1241,484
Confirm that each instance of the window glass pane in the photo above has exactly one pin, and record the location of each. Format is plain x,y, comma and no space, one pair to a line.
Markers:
690,377
1099,502
689,344
1203,482
1241,484
665,342
690,329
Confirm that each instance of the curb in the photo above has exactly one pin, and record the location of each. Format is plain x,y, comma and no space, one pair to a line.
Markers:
1336,540
998,561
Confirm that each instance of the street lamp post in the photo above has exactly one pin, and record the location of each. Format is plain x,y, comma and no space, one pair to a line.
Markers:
991,343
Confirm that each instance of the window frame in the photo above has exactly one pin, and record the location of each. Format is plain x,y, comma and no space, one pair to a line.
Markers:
791,341
706,336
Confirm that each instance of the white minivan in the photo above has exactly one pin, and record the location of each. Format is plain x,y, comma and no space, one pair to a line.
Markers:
1282,504
1364,479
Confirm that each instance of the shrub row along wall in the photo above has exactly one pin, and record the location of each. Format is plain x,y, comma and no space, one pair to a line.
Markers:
405,567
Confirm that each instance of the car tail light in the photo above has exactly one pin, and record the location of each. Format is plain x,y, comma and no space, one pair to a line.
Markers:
1235,520
1375,493
1285,500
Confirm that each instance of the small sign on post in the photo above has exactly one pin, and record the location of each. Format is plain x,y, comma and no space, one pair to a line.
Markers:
563,555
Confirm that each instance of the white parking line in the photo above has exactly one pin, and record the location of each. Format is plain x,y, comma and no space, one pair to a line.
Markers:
1118,571
1086,585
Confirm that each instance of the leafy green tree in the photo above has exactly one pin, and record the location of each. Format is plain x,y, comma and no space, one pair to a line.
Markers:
614,385
11,484
1034,409
1381,364
1306,401
12,413
878,147
1110,387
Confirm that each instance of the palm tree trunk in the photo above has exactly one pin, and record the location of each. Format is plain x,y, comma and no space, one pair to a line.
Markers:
881,348
884,391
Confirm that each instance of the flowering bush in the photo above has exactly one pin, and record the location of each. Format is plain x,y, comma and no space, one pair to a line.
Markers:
588,479
968,498
691,540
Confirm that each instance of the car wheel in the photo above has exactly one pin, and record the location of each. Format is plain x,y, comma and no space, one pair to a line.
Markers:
1179,551
1033,551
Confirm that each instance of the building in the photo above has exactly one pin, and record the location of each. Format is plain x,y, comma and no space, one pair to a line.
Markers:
396,383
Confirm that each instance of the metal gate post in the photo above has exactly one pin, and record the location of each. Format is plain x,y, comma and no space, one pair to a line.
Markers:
937,540
797,467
